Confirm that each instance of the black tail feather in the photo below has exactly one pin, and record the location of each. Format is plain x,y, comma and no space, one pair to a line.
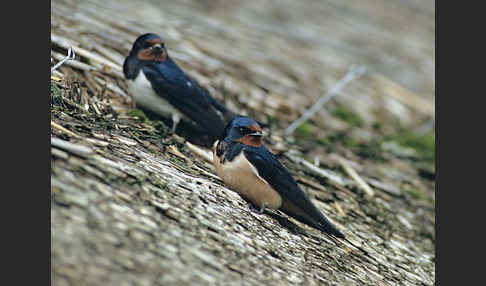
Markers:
324,225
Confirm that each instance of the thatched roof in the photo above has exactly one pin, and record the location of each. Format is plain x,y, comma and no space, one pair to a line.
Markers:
134,204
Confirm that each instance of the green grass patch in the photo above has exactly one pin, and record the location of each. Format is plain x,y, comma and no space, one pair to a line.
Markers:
348,116
272,122
141,117
56,91
371,150
423,144
417,194
304,131
323,141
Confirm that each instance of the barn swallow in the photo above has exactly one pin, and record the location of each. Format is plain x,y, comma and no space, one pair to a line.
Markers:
159,85
246,165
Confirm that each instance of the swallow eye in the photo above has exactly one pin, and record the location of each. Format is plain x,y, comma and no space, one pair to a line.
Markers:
243,130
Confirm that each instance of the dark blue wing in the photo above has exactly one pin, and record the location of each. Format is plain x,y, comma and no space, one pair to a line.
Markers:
170,82
131,67
301,208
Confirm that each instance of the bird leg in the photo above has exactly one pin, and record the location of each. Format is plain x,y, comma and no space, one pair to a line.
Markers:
175,120
258,211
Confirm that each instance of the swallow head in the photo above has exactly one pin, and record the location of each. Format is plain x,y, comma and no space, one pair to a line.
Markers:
244,130
149,47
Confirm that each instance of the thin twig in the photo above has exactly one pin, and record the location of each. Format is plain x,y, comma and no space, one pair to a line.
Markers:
340,210
390,189
205,154
73,63
354,175
55,78
77,149
54,124
354,72
70,56
59,41
56,73
325,173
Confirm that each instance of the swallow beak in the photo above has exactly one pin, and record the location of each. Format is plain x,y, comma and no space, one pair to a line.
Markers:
156,49
256,134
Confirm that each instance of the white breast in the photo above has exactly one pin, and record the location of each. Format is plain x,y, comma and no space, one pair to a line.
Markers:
144,95
243,178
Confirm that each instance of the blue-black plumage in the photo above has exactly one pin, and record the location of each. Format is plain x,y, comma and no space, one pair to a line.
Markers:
246,165
158,84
